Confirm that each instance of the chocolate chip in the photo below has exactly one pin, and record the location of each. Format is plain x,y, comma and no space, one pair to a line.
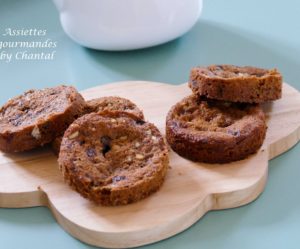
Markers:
234,133
106,142
118,178
24,108
82,142
140,122
91,152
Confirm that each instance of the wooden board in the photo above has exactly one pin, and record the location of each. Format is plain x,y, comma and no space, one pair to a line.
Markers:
191,189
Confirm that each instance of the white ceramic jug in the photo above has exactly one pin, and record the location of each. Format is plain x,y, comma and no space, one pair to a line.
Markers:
126,24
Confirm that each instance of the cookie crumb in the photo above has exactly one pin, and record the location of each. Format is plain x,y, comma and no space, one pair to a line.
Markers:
36,133
74,135
139,156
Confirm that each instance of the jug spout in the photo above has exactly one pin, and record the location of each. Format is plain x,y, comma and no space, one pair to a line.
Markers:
60,4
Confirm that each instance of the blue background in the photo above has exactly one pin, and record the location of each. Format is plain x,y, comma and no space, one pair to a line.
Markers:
260,33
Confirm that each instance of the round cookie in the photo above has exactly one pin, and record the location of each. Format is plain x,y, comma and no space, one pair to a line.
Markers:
36,117
113,160
103,105
236,84
215,131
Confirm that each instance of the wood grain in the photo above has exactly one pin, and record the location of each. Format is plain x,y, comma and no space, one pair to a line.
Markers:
191,189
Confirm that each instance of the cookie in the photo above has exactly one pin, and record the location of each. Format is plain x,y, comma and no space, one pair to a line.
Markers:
103,105
214,131
36,117
113,160
236,84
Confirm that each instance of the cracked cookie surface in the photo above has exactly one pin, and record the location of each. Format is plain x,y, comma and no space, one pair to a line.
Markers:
215,131
113,160
36,117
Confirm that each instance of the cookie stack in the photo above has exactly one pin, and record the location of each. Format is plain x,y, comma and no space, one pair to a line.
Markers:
106,150
222,120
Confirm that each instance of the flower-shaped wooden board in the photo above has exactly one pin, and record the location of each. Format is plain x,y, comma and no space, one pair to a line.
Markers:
190,190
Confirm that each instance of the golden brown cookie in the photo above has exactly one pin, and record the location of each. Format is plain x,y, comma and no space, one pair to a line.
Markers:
36,117
236,84
215,131
113,160
104,105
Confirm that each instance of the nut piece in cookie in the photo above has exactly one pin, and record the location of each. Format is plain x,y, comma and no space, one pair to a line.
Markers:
100,160
236,84
36,117
214,131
